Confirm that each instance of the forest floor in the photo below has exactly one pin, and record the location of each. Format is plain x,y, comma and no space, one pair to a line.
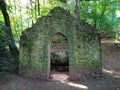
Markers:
109,81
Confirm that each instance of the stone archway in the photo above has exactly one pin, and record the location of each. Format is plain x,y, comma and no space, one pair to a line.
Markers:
47,49
84,46
59,58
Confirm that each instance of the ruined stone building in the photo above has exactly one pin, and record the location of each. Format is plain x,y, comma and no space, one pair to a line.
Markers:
81,41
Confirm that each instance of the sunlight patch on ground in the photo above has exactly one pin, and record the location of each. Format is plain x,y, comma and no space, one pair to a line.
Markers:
117,41
116,76
112,72
77,85
63,78
107,41
107,71
60,77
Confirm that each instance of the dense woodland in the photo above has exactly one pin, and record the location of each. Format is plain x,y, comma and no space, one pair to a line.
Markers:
17,15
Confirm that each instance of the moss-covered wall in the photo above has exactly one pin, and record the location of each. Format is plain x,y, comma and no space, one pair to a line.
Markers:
84,46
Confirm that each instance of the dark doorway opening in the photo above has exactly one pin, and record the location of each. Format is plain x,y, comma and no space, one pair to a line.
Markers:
59,58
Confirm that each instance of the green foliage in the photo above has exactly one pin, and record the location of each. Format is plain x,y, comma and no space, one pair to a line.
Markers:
6,60
3,40
44,11
70,6
99,13
63,1
117,28
1,16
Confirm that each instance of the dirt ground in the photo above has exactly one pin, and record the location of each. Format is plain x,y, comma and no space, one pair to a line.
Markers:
109,81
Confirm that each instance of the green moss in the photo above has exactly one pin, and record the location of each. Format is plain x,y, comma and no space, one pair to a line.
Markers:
96,64
84,52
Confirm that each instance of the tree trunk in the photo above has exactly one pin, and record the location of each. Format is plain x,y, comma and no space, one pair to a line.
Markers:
77,8
38,7
13,49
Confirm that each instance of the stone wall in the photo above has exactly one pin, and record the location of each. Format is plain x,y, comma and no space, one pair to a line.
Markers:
84,46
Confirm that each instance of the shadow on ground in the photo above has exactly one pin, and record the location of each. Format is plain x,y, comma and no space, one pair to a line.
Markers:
109,81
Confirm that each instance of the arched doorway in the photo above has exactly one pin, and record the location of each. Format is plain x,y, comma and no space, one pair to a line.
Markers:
59,58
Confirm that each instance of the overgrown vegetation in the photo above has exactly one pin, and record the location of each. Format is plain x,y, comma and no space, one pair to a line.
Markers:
6,59
104,15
